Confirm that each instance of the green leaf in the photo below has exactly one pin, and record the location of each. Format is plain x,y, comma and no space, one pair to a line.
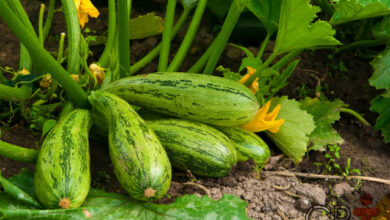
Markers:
381,105
106,206
145,26
189,3
292,138
228,74
47,126
325,113
381,76
297,29
350,10
382,29
267,11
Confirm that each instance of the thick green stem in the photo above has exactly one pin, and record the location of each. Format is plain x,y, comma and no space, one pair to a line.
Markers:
263,45
40,24
49,19
190,35
286,59
356,115
17,8
74,36
14,94
166,37
74,91
362,44
154,53
234,13
21,154
104,58
262,67
123,37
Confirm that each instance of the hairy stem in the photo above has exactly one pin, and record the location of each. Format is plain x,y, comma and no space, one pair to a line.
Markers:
286,59
356,115
263,45
104,58
14,94
49,19
123,37
166,37
18,153
191,32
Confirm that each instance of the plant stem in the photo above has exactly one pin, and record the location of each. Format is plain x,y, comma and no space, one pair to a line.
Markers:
74,91
234,13
262,67
153,53
74,36
187,41
166,36
263,45
356,115
61,48
123,37
286,59
40,24
21,154
49,19
361,44
104,58
14,94
197,67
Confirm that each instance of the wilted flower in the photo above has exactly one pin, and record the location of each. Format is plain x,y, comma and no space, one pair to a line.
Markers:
46,81
97,72
75,77
254,86
24,71
85,8
265,121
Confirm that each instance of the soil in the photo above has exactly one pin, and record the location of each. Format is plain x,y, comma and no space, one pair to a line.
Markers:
268,196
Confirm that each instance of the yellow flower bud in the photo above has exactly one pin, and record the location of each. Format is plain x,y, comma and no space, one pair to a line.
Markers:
24,71
75,77
46,81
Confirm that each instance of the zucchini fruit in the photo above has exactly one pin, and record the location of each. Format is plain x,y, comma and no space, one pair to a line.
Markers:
193,146
248,145
208,99
140,163
62,175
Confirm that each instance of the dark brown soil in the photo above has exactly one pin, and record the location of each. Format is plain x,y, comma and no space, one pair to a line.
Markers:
269,197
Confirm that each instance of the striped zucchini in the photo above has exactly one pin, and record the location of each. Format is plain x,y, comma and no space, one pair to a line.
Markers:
140,162
203,98
193,146
248,145
62,176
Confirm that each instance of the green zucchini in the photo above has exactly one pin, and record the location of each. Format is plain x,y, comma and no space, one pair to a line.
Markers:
203,98
248,145
62,175
193,146
140,163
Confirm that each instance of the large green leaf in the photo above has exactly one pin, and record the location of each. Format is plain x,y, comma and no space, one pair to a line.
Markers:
267,11
381,77
292,138
106,206
350,10
381,105
325,113
297,29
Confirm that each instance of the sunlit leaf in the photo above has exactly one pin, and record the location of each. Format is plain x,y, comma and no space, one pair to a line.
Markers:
292,138
267,11
297,29
145,26
350,10
325,113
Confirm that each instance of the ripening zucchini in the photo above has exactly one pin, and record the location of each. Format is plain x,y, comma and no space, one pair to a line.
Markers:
193,146
248,145
62,176
203,98
141,164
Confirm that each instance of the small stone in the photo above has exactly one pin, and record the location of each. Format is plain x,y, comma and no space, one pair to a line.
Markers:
252,206
342,189
248,196
303,204
313,192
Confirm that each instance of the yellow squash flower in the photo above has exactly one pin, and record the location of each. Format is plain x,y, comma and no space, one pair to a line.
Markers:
265,121
85,8
254,86
24,71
